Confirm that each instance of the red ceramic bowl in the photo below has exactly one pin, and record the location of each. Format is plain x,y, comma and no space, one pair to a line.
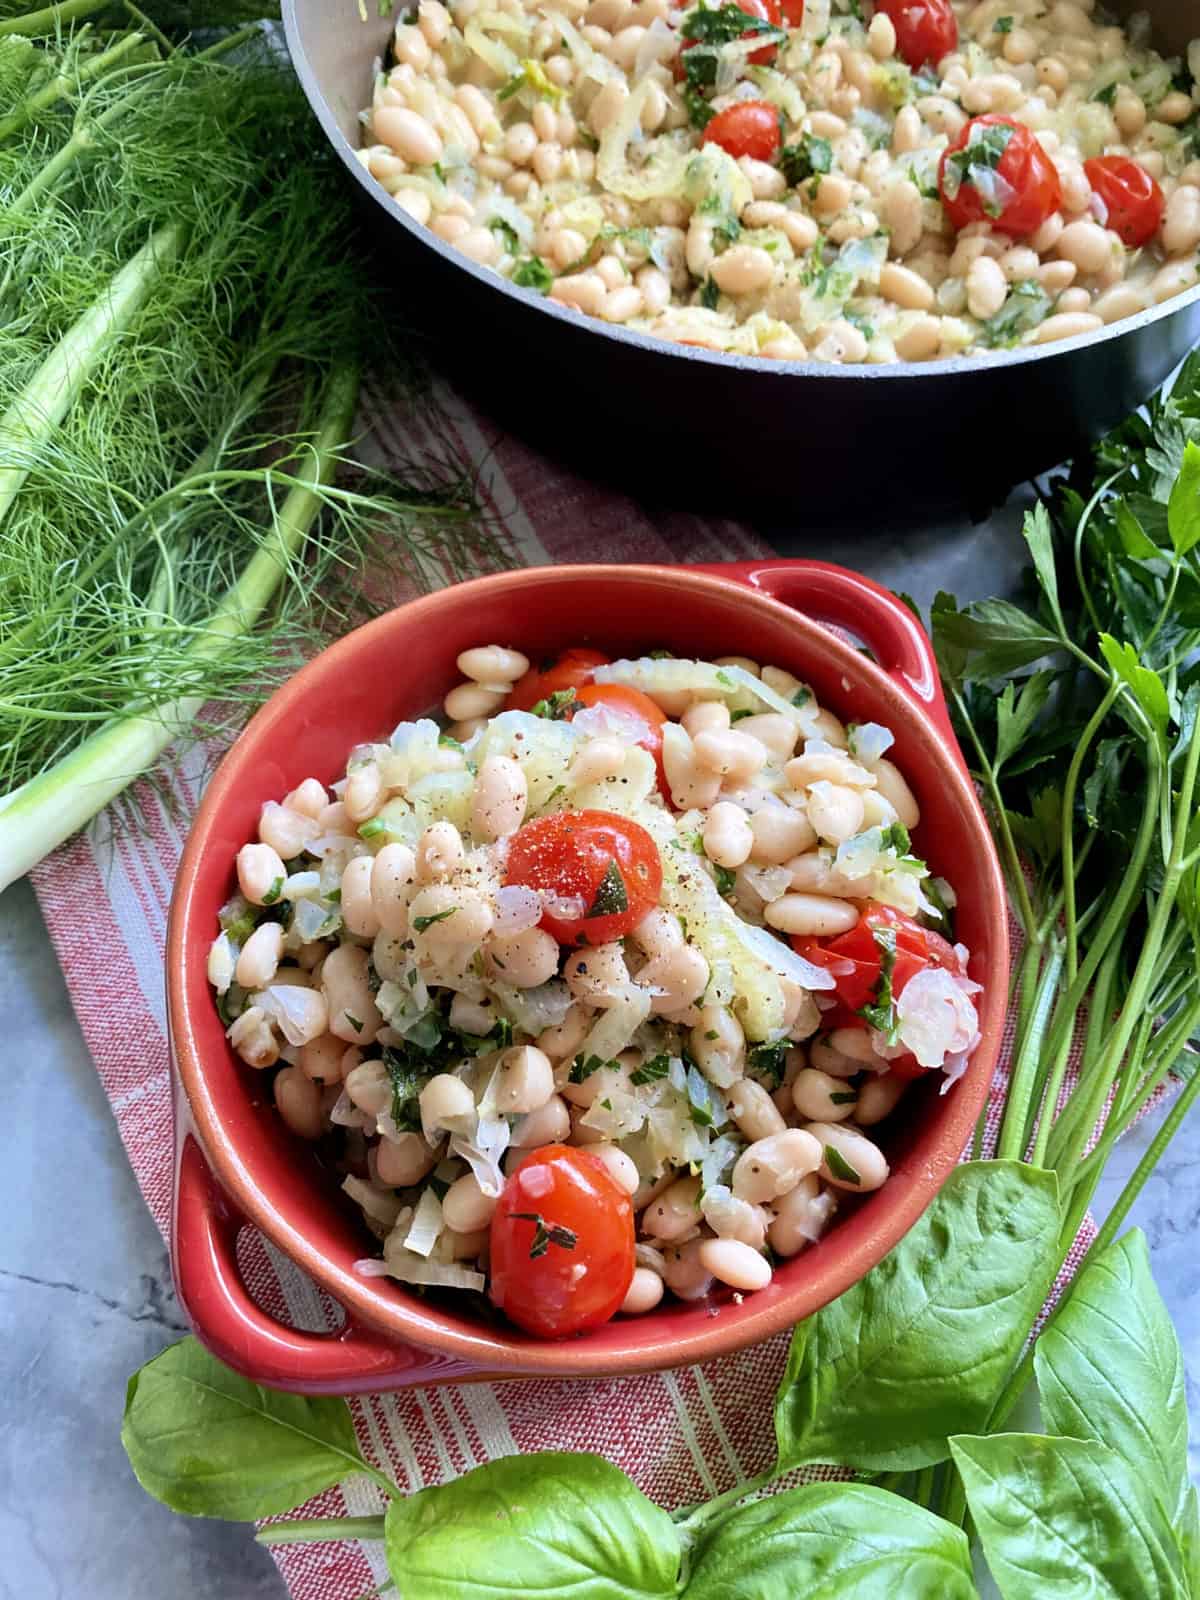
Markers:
238,1164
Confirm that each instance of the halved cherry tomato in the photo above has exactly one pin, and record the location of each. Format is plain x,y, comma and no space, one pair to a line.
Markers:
570,670
1027,172
793,12
630,703
926,30
750,128
561,1243
1133,200
606,863
856,961
762,11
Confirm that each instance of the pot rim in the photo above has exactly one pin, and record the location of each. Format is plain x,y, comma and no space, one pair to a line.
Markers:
498,1352
964,366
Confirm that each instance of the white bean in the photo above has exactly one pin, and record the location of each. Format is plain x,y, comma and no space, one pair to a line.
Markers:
849,1160
987,288
891,783
728,839
597,760
473,700
819,1097
439,852
621,1166
500,797
286,831
408,134
549,1124
308,798
601,1084
755,1113
599,977
358,905
811,915
644,1292
1181,224
260,956
402,1162
734,755
565,1037
795,1217
835,811
321,1058
734,1263
450,918
444,1100
526,1080
493,664
684,1273
742,270
370,1087
364,792
252,1037
718,1045
675,1212
353,1014
298,1101
878,1097
772,1166
705,716
393,876
524,959
1087,245
465,1207
780,832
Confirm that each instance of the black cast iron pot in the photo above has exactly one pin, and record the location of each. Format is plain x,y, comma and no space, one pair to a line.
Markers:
812,442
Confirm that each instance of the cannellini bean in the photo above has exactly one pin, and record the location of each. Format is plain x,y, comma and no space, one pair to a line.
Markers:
777,732
465,1207
402,1162
500,797
1124,300
1055,276
705,716
620,1165
903,215
443,1100
854,1043
811,915
682,975
817,1096
353,1014
524,959
493,664
744,269
308,798
370,1087
1172,279
358,906
564,1038
321,1058
644,1292
364,792
658,932
597,760
780,832
526,1080
734,1263
286,831
727,836
1087,244
549,1124
906,130
675,1212
684,1273
881,36
789,1232
690,783
856,1162
260,956
878,1097
298,1101
471,700
770,1167
892,785
1067,326
253,1039
733,755
823,1055
718,1045
450,918
1181,224
905,287
440,852
752,1108
408,134
597,976
920,341
835,811
393,878
601,1084
987,288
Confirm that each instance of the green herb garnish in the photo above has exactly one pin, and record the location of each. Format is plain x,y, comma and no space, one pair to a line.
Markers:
807,158
532,273
421,923
840,1167
611,895
544,1234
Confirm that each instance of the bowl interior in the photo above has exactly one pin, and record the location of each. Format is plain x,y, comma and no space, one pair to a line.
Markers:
401,666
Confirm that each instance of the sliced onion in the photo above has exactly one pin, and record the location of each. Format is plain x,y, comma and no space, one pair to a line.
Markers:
659,43
567,907
784,961
411,1268
345,1113
816,1216
603,721
936,1019
370,1268
870,742
769,883
381,1205
291,1006
518,908
426,1225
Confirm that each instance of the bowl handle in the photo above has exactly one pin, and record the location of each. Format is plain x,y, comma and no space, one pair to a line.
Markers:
829,593
243,1336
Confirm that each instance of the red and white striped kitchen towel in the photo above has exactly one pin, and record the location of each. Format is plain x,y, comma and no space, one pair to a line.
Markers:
683,1436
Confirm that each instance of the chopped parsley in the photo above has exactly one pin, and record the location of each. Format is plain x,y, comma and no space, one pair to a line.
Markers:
554,794
808,157
1026,306
273,892
1002,25
558,707
802,696
895,837
768,1061
506,233
583,1066
736,716
846,1099
421,923
611,894
700,1099
1107,95
544,1234
374,825
651,1070
880,1012
407,1082
839,1166
532,76
983,153
726,881
448,743
705,31
353,1021
709,294
532,273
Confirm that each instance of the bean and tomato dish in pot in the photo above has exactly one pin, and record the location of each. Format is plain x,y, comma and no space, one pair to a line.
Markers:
600,991
897,181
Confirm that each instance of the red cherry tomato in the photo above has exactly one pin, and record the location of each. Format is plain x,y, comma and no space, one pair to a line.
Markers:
762,11
750,128
793,12
608,864
561,1243
570,670
926,30
1024,167
855,959
630,703
1134,202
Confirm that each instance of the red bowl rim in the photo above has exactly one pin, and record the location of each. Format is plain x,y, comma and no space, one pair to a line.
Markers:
491,1352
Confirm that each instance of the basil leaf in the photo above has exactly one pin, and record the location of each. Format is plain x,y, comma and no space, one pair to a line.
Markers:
1183,508
1109,1368
1049,1510
875,1380
552,1524
210,1443
832,1541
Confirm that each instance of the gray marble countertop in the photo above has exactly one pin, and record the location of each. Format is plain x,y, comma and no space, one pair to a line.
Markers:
85,1289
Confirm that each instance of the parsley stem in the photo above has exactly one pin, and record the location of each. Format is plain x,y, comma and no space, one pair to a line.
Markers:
1068,826
1011,1146
1080,530
1008,849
